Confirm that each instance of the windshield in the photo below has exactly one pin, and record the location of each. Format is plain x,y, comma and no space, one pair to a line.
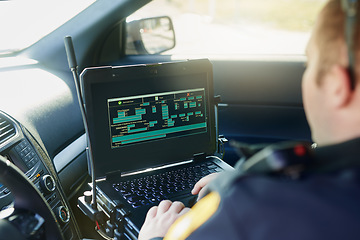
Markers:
25,22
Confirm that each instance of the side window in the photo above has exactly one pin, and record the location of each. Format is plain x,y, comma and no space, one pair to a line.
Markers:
236,26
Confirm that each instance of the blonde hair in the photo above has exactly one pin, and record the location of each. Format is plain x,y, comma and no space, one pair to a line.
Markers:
330,38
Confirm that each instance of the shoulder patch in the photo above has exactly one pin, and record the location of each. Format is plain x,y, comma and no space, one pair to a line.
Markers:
197,216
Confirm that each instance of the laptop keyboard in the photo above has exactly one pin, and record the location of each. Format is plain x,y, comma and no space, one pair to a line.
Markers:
167,185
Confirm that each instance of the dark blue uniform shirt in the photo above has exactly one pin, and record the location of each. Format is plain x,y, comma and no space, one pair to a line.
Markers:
323,204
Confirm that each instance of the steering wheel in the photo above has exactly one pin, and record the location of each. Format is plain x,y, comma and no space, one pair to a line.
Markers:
31,217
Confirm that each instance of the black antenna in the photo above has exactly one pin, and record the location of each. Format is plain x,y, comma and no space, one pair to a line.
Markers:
74,69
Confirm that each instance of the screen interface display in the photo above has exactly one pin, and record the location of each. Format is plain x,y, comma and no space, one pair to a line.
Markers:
156,116
141,120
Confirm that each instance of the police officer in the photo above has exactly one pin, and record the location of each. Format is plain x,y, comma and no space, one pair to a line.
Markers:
319,199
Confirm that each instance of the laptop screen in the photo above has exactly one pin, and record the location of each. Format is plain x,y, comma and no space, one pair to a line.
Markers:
146,116
156,116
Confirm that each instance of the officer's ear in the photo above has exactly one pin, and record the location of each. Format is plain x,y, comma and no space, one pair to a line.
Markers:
338,87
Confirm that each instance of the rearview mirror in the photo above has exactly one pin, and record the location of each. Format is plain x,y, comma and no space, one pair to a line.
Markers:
150,35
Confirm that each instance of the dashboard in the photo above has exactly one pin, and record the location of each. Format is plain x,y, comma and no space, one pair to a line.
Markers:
19,147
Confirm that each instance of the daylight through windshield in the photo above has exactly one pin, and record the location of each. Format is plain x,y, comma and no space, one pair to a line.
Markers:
26,22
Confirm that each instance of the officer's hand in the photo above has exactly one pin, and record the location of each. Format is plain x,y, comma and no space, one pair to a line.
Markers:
159,219
199,186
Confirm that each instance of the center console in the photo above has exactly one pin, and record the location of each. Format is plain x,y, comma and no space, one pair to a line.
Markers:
19,147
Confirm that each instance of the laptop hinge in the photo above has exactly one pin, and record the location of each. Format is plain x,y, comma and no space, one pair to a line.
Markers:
113,175
199,157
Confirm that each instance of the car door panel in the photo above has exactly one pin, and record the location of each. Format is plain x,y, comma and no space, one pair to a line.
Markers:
261,101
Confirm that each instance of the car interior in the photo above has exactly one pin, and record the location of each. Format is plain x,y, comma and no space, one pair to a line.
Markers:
42,131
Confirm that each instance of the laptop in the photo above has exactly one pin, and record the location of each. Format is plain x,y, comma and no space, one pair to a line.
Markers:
153,134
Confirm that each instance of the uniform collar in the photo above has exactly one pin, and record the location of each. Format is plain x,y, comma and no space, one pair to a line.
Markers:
338,156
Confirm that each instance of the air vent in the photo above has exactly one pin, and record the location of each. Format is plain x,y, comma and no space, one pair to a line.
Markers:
7,129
